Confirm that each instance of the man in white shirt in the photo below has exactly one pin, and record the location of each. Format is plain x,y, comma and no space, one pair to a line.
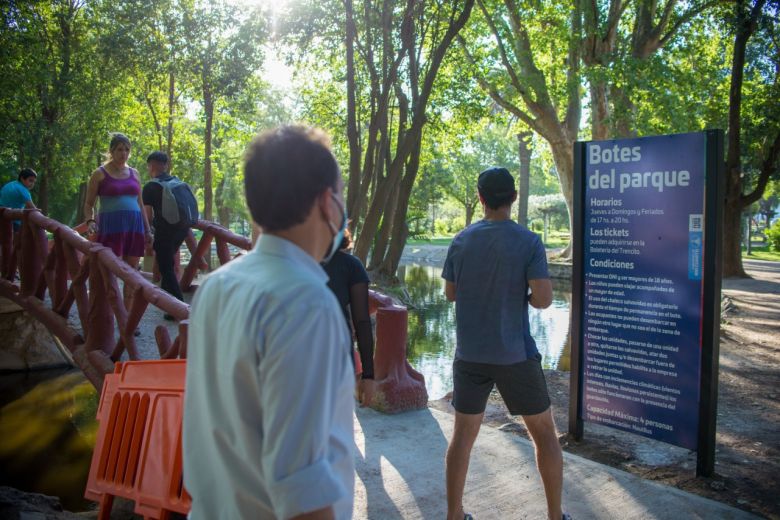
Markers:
268,429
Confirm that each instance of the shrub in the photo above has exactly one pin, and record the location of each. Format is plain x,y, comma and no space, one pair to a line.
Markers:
773,234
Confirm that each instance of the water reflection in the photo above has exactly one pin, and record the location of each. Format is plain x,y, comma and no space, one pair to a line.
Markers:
48,429
432,328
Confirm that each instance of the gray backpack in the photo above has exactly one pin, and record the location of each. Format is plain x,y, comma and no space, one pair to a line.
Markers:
179,206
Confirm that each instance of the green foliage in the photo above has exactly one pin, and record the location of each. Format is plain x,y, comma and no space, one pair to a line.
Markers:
73,71
773,234
541,205
546,212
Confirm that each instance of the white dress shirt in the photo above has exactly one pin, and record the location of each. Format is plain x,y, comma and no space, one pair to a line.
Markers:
268,413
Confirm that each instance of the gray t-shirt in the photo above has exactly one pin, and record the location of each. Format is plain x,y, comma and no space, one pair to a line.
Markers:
491,262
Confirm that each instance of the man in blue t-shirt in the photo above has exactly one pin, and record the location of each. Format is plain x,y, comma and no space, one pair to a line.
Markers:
494,269
16,194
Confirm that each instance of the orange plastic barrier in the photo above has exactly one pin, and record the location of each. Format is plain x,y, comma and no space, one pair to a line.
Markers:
138,448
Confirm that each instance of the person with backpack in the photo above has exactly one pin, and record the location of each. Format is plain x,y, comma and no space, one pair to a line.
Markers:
173,209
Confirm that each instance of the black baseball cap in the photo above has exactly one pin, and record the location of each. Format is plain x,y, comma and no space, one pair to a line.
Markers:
496,183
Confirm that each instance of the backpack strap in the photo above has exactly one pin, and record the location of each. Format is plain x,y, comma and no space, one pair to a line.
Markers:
161,182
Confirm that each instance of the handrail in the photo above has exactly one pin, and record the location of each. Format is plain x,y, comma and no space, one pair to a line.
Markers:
74,270
223,237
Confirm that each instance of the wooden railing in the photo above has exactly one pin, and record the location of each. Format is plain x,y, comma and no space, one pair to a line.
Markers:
71,269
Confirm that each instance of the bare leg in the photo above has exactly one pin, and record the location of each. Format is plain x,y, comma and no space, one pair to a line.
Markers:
549,459
458,454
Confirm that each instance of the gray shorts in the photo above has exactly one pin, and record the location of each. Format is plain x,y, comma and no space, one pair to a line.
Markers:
521,385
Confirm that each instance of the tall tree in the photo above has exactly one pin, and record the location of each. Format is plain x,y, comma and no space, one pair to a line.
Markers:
394,53
426,33
466,147
224,50
618,41
511,73
150,41
47,39
748,18
524,176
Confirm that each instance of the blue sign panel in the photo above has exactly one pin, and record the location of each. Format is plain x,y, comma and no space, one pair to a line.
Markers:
642,298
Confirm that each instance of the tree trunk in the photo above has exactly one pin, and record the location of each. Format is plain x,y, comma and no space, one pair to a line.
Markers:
353,184
732,242
411,138
223,211
47,165
373,217
171,112
208,195
732,212
624,114
383,236
224,216
524,177
469,214
563,156
599,111
400,230
155,118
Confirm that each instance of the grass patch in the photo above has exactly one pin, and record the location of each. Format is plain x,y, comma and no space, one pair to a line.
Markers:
761,253
554,242
435,241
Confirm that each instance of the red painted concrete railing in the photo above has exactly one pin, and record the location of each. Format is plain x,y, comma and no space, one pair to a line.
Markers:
399,386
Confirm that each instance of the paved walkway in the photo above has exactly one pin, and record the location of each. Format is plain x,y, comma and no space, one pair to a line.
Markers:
400,467
400,474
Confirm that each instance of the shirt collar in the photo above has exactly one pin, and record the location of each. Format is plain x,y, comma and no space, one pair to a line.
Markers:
283,248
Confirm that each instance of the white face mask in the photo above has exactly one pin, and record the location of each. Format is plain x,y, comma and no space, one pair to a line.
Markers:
338,234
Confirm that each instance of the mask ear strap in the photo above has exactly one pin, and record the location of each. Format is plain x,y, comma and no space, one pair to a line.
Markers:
325,216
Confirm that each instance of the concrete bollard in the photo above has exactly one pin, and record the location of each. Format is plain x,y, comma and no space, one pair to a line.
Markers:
399,386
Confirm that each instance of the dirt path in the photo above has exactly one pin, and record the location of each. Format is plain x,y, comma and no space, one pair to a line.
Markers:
748,439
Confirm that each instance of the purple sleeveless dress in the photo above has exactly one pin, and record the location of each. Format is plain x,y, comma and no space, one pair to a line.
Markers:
120,223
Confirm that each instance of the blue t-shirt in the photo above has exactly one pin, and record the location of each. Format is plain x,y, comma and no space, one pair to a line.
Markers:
14,195
490,262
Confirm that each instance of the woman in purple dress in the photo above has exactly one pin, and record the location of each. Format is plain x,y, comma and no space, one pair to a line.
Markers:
120,223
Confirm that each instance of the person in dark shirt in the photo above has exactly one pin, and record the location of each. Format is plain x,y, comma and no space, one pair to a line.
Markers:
348,280
167,237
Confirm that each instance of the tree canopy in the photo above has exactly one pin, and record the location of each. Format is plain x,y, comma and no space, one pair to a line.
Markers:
418,96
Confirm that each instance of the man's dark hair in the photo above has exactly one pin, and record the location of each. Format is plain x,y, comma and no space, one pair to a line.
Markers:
160,157
285,170
27,173
497,187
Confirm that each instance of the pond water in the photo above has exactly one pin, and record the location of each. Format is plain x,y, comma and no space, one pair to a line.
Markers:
47,418
48,429
432,328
